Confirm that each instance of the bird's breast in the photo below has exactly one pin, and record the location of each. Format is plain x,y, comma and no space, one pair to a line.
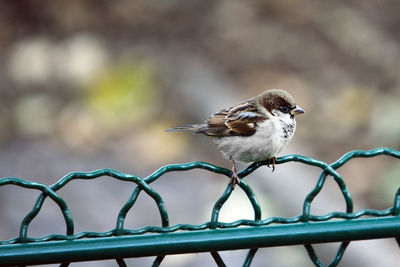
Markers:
265,143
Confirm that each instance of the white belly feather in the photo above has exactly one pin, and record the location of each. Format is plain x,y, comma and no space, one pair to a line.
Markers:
268,141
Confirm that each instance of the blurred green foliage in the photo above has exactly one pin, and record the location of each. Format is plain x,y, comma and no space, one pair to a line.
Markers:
124,93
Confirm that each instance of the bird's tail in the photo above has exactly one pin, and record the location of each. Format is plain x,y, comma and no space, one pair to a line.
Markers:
192,128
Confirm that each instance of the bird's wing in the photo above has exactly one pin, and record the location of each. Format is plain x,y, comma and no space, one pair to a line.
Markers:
239,120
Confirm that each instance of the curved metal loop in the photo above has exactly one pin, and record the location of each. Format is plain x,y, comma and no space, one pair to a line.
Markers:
143,185
326,170
335,261
396,204
153,177
157,261
349,202
46,191
121,262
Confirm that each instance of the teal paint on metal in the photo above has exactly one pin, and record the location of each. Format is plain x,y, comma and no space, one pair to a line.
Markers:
200,241
353,219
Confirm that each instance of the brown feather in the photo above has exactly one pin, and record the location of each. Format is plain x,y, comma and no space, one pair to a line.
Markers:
238,120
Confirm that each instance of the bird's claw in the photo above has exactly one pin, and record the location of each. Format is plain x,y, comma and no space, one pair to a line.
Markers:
272,162
234,177
234,180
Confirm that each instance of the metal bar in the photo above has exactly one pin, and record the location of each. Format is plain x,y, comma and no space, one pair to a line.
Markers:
198,241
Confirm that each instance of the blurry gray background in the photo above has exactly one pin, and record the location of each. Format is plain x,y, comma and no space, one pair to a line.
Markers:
93,84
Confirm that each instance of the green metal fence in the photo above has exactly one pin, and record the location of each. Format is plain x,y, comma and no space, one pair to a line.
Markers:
212,236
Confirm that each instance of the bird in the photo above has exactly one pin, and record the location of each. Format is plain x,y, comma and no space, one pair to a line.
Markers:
253,131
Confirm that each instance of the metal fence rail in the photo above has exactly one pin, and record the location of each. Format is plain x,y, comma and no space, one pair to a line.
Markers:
212,236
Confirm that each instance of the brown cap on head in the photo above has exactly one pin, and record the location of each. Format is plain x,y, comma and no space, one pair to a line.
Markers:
276,98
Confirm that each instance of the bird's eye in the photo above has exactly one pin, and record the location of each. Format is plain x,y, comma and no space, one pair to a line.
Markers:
284,109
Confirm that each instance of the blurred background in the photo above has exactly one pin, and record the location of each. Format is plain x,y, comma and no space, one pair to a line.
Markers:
93,84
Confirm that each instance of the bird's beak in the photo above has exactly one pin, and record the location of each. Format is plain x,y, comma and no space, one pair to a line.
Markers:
297,110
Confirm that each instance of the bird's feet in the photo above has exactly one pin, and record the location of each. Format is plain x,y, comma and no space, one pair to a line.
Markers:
270,162
234,177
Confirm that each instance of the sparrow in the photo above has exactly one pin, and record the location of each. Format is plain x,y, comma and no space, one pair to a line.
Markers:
253,131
